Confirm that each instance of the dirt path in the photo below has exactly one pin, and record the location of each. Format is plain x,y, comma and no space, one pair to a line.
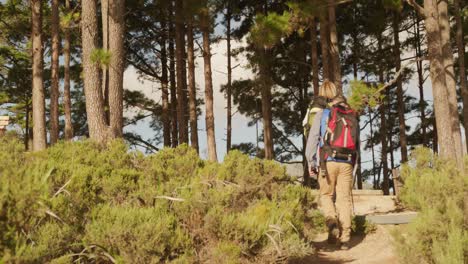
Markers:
375,248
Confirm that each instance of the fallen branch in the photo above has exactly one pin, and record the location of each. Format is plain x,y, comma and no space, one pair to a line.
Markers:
170,198
62,189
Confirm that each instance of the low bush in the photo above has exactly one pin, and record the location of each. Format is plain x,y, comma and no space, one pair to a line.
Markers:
81,202
436,189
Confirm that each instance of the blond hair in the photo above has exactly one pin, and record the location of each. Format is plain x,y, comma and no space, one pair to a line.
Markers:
328,89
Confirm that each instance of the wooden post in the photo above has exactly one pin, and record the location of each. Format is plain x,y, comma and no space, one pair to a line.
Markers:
397,182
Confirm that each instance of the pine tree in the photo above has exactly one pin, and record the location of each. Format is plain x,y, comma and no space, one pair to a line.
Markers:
399,92
192,86
105,47
180,76
38,97
334,49
228,18
66,84
92,83
209,119
461,66
54,93
116,20
314,55
450,79
172,78
165,83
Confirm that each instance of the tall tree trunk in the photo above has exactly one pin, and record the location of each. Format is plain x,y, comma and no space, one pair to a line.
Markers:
355,74
92,84
179,35
105,46
26,129
38,97
383,135
185,89
419,67
442,112
314,55
66,84
334,49
164,87
265,84
54,93
229,78
116,65
461,66
172,79
372,146
192,87
401,103
450,81
324,45
209,119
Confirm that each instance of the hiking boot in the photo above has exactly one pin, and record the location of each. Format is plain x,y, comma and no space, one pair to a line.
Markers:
333,230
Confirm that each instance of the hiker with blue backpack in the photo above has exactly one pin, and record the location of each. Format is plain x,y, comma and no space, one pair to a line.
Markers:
332,142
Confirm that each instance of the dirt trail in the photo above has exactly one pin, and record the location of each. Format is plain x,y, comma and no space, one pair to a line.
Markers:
375,248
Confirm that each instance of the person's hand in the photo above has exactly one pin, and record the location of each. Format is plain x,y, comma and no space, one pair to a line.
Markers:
313,171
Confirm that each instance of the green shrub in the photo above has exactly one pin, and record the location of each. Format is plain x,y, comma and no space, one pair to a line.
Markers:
90,203
436,189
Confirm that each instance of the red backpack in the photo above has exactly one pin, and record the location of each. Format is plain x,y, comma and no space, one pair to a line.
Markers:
340,140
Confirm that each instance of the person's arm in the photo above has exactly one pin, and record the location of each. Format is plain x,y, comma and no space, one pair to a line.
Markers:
313,140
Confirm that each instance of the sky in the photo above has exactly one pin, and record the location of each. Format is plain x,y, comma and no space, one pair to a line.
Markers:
241,132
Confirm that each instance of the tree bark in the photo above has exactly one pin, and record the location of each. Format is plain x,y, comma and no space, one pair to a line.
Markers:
164,87
400,99
334,48
314,55
324,45
383,132
229,78
209,118
105,46
27,127
419,67
92,83
180,47
437,73
66,84
461,66
447,55
371,126
116,65
265,86
355,75
172,80
38,97
192,87
54,93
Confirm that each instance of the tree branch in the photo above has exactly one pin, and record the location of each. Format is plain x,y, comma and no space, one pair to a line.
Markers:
398,74
419,9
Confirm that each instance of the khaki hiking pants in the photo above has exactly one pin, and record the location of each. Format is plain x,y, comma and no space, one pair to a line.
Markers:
340,182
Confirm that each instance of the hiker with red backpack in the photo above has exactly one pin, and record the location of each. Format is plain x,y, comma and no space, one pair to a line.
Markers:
331,152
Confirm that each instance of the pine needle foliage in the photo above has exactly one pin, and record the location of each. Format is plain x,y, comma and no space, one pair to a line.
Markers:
363,94
436,189
82,202
269,29
101,56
